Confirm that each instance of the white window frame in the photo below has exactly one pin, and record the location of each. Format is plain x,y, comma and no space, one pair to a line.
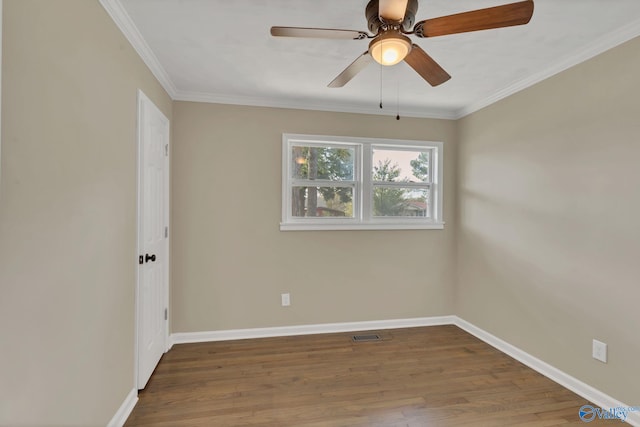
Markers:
362,185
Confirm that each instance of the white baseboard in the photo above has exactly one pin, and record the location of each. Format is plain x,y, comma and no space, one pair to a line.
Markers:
585,390
593,395
125,409
326,328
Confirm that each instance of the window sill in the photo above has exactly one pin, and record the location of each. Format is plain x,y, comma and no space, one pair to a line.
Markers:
368,226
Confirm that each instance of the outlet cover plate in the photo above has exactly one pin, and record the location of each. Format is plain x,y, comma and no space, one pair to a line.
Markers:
286,300
599,351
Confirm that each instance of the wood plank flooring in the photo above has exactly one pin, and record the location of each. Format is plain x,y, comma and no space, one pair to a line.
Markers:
430,376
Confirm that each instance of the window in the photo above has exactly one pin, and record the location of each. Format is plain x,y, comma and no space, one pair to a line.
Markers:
342,183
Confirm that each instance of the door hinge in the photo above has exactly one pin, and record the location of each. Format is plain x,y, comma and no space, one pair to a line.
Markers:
166,232
166,149
140,259
165,314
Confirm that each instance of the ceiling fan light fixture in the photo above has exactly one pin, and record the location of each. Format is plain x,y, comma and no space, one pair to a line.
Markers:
392,20
390,48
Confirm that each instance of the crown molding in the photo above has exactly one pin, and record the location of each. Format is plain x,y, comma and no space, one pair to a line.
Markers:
609,41
122,19
126,25
212,98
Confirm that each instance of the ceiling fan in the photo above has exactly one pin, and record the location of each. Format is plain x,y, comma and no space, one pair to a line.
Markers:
390,22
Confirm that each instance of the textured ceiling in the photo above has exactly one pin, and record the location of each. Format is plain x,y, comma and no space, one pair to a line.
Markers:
221,51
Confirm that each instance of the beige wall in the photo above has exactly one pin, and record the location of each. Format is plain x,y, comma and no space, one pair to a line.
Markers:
549,204
67,213
546,230
231,261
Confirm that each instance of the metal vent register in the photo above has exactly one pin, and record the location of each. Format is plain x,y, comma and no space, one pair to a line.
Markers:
364,338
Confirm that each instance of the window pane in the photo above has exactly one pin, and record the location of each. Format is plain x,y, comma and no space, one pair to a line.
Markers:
401,165
322,201
400,202
331,163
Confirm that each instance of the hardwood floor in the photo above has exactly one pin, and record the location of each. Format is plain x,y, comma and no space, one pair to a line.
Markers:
430,376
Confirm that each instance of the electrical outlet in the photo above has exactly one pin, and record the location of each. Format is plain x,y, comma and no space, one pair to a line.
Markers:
286,299
599,351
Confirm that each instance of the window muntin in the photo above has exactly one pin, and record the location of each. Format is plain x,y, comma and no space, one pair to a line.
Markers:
401,182
360,183
323,180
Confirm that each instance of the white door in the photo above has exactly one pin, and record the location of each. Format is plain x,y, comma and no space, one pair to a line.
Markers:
153,216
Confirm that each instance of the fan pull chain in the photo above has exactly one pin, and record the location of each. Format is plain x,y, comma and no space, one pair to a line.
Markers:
381,78
397,98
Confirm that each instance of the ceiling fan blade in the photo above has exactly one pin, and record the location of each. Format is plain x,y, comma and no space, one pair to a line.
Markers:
424,65
507,15
350,72
392,10
319,33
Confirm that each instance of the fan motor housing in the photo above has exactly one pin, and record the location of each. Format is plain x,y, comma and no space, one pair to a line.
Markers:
374,22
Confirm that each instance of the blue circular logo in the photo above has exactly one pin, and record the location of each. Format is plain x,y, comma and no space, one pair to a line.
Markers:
587,413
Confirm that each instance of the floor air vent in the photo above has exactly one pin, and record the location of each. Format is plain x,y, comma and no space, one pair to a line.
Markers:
364,338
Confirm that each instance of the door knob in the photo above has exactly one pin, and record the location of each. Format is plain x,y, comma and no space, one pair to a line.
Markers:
148,257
